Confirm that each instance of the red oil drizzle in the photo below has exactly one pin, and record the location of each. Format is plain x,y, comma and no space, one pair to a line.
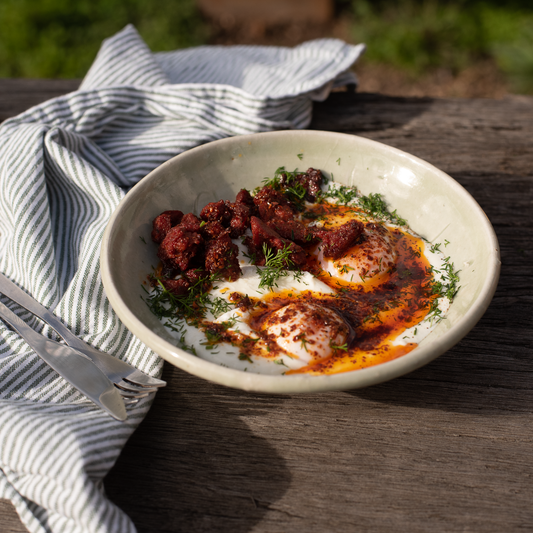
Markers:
379,310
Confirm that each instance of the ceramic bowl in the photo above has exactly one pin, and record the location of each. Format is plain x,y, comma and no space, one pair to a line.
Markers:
434,204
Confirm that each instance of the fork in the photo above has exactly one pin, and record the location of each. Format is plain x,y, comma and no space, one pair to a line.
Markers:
131,382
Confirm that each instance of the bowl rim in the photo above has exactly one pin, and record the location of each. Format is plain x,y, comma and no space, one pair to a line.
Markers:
301,383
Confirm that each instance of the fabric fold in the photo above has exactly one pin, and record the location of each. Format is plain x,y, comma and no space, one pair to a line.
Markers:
64,167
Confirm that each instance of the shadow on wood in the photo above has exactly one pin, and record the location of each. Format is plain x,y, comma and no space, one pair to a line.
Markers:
199,490
353,112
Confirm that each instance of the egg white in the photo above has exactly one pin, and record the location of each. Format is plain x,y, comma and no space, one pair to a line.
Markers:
372,258
360,264
307,331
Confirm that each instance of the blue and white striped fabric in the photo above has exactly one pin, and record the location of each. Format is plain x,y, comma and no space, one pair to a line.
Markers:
64,167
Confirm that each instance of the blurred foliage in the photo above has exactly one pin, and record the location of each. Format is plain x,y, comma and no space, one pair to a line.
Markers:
417,35
60,38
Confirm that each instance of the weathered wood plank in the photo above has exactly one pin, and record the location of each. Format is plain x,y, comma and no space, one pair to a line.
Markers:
447,447
17,95
9,519
457,136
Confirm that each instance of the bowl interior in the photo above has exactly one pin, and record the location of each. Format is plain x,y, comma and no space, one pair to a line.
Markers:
434,204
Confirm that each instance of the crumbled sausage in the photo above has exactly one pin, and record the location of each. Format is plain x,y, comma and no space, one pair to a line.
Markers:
195,275
222,258
190,222
255,253
240,219
262,234
245,198
179,247
268,200
337,241
178,287
216,211
199,246
311,181
212,229
294,230
163,224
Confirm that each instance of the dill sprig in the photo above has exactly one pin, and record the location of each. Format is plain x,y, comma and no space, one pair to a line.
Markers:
193,304
277,265
275,181
333,346
291,187
219,306
375,206
178,326
447,286
342,194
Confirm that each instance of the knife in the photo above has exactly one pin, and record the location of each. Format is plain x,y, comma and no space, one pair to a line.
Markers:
115,369
75,367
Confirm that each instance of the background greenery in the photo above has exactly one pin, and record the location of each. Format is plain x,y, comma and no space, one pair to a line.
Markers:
60,38
421,35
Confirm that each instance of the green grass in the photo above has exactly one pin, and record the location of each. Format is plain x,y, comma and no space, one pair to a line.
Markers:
418,36
60,38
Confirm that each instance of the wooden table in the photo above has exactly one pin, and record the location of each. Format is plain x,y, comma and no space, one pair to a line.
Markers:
446,448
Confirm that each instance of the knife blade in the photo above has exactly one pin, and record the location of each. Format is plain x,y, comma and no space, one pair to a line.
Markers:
74,366
115,369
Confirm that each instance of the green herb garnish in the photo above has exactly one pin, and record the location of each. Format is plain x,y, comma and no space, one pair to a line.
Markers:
277,265
376,207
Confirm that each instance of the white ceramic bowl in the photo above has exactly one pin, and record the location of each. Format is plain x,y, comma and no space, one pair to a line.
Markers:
435,205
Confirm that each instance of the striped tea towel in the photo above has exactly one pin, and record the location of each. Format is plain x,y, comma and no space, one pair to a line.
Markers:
64,167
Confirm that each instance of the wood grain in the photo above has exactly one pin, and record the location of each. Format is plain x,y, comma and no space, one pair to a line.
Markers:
17,95
9,519
445,448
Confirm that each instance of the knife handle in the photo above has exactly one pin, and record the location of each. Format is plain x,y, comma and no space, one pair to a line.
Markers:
16,294
72,365
115,369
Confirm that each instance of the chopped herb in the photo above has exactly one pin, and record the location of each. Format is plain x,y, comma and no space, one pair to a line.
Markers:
192,305
288,183
343,347
277,265
405,273
219,306
230,323
303,340
212,336
376,207
342,194
345,268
